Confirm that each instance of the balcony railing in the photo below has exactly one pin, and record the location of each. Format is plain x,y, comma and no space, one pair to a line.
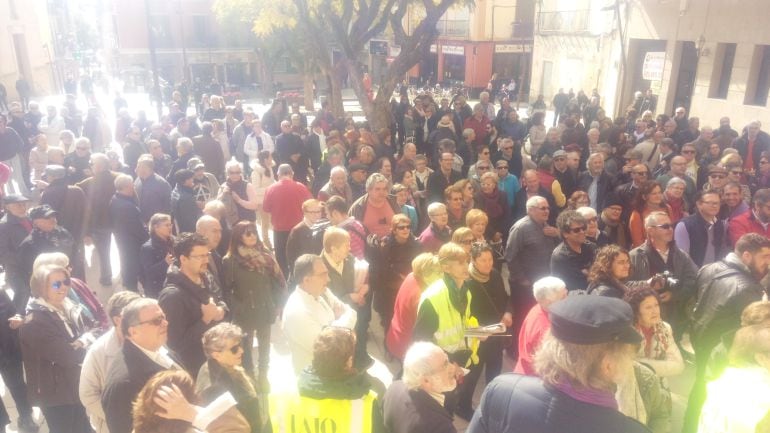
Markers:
453,28
564,21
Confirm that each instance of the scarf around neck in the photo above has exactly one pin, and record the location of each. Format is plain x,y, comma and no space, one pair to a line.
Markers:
477,275
492,203
258,260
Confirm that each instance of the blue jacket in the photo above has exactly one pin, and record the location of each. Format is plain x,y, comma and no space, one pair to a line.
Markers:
514,403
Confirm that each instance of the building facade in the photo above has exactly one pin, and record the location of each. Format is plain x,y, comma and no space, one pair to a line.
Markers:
710,56
494,37
26,49
189,43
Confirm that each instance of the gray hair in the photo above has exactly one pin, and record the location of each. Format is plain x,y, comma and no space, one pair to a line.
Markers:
82,141
417,363
303,266
676,181
185,143
132,311
285,170
122,181
40,275
652,219
205,220
216,338
546,288
592,157
375,178
55,258
338,169
533,201
233,164
586,212
467,132
435,206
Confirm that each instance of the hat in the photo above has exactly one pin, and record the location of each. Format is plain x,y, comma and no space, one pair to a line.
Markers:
195,164
592,319
612,200
43,211
15,198
358,166
54,171
714,168
633,154
559,154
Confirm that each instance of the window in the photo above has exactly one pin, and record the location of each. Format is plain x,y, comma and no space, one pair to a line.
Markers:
160,28
759,77
723,69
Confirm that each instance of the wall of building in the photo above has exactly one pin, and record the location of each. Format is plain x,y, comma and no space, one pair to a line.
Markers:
714,23
28,22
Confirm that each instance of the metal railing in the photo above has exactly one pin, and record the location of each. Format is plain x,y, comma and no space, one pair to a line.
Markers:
564,21
453,28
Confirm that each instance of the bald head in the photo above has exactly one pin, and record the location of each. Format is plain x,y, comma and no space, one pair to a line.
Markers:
209,227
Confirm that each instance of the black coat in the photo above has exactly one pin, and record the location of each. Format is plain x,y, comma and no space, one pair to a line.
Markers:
127,226
181,301
152,257
12,234
184,209
414,411
515,403
603,188
69,201
725,289
128,373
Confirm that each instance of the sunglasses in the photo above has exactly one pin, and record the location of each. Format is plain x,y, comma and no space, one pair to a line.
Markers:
154,322
57,285
402,227
576,230
665,226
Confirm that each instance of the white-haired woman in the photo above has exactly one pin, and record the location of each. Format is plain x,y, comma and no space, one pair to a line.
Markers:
240,197
593,233
54,339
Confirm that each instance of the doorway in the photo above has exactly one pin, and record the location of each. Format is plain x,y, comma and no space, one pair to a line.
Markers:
685,82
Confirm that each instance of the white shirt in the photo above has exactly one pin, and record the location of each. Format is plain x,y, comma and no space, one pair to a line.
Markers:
305,316
251,147
160,357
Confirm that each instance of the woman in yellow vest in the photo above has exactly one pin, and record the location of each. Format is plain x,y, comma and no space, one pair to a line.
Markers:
331,395
444,315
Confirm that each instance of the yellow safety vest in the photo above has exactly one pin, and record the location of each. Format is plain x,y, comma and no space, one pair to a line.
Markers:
292,413
450,334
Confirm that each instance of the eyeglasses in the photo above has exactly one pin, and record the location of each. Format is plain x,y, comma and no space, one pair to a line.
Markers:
234,350
57,285
200,257
664,226
402,227
504,167
576,230
717,176
154,322
544,208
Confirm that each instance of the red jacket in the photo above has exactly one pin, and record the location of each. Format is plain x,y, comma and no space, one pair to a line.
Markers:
283,201
745,223
404,316
532,331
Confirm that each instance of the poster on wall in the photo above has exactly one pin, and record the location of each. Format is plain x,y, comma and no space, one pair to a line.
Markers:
652,68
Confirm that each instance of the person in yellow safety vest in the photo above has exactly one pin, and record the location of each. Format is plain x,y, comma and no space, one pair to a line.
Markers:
444,314
332,395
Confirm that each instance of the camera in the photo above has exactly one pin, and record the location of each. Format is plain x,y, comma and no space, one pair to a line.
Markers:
669,282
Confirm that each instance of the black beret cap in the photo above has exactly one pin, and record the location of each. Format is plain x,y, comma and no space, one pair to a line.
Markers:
43,211
592,319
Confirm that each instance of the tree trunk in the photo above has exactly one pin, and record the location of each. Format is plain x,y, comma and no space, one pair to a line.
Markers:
308,76
265,73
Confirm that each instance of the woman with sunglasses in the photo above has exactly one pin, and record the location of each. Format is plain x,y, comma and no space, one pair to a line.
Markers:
224,372
54,339
255,288
489,304
649,199
391,263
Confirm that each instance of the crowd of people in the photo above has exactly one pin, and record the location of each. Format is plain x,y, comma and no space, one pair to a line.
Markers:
607,252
